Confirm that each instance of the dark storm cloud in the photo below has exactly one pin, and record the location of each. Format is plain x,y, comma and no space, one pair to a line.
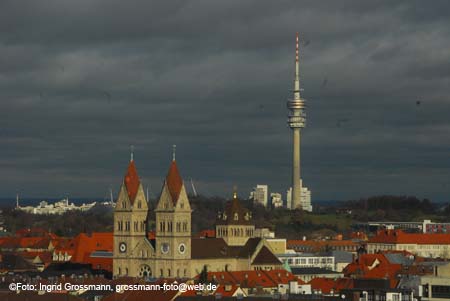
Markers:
80,81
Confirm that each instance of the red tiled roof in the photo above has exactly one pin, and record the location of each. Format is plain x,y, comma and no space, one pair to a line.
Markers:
400,237
252,278
226,291
174,181
131,181
326,285
85,244
283,276
373,266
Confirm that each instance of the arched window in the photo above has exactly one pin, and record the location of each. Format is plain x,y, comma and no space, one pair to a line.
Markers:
139,204
168,273
161,273
145,271
236,217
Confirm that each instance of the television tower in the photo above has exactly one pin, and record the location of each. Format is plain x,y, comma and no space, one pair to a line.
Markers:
296,121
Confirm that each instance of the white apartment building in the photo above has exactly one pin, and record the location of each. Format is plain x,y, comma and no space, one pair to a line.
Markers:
305,198
308,260
260,194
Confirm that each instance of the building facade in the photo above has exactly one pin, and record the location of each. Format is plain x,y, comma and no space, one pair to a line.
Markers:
173,252
259,194
305,198
431,245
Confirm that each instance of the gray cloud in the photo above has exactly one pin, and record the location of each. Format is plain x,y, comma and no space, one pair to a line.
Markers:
81,81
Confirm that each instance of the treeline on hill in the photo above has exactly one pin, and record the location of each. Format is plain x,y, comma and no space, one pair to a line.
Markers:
293,224
68,224
396,208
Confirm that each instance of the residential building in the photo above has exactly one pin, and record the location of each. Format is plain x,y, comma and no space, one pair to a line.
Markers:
420,244
259,195
305,198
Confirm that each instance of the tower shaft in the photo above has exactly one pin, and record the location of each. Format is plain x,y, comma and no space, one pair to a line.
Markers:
296,190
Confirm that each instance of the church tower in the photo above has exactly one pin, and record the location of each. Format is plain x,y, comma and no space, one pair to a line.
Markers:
235,224
173,227
131,246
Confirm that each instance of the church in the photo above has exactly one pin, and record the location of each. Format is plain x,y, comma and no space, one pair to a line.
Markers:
173,252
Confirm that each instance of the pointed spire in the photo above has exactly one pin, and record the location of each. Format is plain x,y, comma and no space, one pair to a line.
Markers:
174,181
297,72
174,151
131,181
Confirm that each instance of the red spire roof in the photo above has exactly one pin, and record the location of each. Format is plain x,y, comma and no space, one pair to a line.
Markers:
131,181
174,181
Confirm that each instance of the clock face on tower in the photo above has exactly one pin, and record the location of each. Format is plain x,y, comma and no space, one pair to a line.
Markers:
182,248
122,247
165,248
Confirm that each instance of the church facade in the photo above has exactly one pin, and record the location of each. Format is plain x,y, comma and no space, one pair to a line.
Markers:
173,252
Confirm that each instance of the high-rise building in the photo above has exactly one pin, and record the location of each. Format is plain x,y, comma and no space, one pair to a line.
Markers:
260,194
296,121
305,198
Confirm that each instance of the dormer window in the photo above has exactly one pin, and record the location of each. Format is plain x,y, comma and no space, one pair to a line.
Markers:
139,204
247,216
224,217
236,217
181,205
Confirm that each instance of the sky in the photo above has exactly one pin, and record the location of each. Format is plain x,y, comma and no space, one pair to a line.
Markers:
81,81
